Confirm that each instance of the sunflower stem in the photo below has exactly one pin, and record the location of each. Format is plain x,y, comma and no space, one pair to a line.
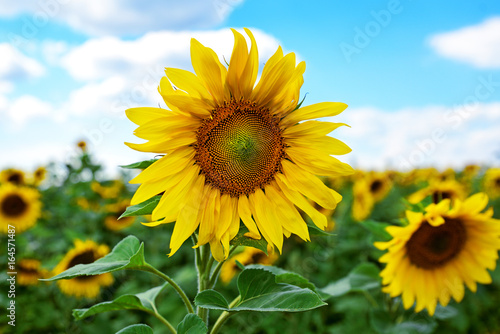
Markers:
164,321
203,277
215,273
224,316
176,287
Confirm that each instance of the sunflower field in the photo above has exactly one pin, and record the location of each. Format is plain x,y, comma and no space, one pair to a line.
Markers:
243,221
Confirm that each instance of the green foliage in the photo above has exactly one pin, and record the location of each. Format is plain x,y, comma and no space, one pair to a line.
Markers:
136,329
259,291
363,278
144,301
128,254
141,164
192,324
141,209
241,240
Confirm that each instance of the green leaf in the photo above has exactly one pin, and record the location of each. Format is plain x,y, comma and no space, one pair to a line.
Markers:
136,329
141,209
377,229
140,165
259,291
284,276
362,278
192,324
127,254
144,301
315,231
211,298
382,323
241,240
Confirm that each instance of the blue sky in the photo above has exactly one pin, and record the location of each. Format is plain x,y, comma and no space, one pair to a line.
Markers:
422,79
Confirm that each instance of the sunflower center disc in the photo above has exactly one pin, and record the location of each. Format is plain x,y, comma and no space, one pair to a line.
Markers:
13,206
433,246
240,148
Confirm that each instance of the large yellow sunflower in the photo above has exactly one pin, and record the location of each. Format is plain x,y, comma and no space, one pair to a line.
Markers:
19,206
234,149
430,259
491,182
29,272
12,175
84,252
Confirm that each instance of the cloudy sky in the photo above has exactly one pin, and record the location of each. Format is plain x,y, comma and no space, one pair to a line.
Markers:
422,80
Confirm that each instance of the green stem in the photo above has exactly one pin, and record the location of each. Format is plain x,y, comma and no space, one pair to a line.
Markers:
203,278
224,316
215,273
164,321
176,287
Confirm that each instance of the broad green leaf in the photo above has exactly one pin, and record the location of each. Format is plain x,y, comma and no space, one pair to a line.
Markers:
377,229
192,324
211,298
136,329
127,254
315,231
144,301
382,323
241,240
362,278
445,312
141,209
284,276
140,165
259,291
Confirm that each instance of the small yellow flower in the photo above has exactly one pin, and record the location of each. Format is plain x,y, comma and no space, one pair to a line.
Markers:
84,252
369,188
114,212
249,255
438,190
82,145
491,182
19,206
29,272
39,175
108,190
429,260
14,176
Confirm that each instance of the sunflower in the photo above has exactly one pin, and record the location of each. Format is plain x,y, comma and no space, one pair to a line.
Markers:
108,189
369,188
491,182
84,252
235,150
19,206
29,272
431,258
39,175
249,255
12,175
114,212
82,145
439,190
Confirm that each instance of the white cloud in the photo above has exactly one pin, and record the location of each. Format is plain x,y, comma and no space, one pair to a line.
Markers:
16,66
26,107
478,45
124,17
427,136
53,50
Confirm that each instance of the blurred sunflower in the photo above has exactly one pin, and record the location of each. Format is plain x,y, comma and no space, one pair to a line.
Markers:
39,175
491,182
84,252
438,190
12,175
235,149
249,255
114,212
82,145
29,271
19,206
369,188
430,259
109,189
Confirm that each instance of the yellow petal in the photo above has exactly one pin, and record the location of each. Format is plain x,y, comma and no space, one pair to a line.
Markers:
210,216
188,218
249,74
166,146
325,144
144,115
266,219
309,185
188,82
318,110
237,64
311,128
190,105
318,163
246,216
